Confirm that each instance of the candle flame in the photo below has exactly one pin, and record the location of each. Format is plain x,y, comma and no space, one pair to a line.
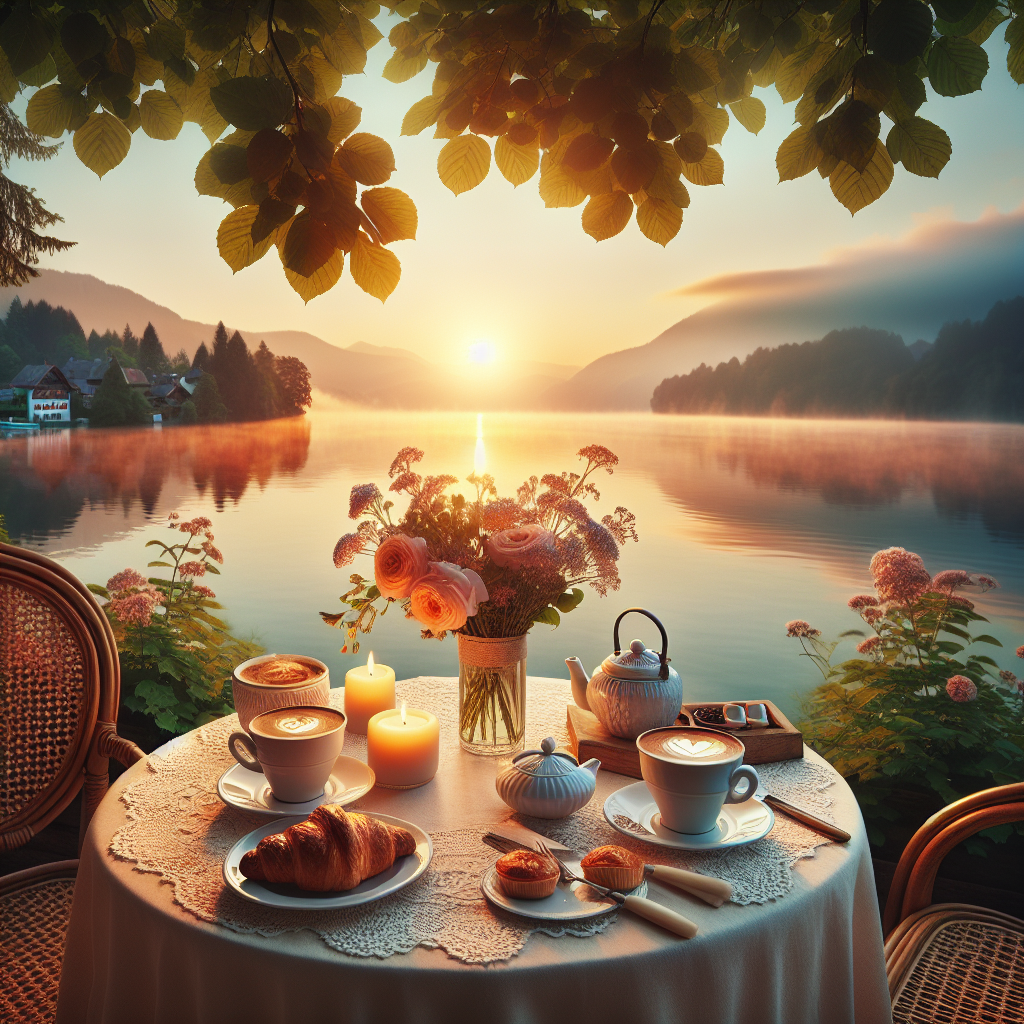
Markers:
369,663
403,712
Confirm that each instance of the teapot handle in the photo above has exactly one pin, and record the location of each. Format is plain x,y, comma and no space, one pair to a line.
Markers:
663,674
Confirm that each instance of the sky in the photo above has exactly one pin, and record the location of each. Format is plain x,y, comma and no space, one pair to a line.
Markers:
494,266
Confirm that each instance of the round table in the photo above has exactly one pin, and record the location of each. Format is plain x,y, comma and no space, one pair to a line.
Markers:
134,956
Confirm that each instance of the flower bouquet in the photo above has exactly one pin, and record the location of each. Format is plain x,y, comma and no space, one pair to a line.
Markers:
485,568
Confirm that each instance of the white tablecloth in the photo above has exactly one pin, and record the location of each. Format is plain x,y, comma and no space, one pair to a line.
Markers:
134,956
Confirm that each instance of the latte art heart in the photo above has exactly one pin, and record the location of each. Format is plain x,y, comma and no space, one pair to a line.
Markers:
296,725
695,748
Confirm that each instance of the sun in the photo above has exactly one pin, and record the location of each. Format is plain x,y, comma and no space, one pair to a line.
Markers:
482,353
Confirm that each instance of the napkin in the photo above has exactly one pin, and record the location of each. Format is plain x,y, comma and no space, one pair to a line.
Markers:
521,834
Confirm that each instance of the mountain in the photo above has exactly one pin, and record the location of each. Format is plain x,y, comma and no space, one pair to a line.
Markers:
363,373
975,370
940,272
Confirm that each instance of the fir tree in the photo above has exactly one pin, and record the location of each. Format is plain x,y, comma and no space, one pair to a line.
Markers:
10,364
271,401
21,212
152,358
116,403
209,405
129,343
201,360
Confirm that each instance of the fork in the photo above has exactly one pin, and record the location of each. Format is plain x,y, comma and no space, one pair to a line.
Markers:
645,908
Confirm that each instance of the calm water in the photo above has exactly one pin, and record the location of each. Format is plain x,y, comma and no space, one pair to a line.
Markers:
743,524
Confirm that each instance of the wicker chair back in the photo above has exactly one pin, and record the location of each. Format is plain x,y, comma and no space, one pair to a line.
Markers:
59,692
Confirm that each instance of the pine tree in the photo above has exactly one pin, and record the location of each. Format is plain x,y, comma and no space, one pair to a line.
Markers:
152,358
116,403
201,360
129,343
218,351
271,400
209,405
21,212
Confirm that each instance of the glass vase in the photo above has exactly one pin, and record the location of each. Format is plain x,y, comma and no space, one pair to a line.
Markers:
492,694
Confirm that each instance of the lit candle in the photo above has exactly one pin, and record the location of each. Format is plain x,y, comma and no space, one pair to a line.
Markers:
402,747
369,688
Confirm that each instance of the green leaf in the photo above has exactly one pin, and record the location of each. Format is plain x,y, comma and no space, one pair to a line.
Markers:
799,154
956,66
854,189
923,148
548,616
984,638
567,602
899,30
400,68
1015,55
234,239
253,103
26,38
102,142
167,565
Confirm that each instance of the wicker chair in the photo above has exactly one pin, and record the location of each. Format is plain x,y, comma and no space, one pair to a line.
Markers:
953,962
59,692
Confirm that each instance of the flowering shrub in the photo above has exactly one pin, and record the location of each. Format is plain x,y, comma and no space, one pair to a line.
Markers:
176,657
915,710
485,566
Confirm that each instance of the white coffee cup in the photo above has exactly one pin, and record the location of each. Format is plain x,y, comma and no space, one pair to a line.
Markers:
691,773
294,747
256,686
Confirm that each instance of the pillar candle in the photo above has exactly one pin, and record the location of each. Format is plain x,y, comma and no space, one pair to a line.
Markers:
369,688
402,747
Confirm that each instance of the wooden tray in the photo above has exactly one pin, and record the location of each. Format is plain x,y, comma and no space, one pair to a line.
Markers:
780,741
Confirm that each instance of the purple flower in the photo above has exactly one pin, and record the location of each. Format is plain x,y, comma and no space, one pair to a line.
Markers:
347,548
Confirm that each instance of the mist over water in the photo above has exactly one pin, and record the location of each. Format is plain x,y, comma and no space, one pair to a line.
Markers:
743,523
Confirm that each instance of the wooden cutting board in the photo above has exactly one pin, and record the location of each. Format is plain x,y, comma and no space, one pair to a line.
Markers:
780,741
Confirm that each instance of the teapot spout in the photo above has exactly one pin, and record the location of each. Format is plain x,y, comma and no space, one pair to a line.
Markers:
579,680
591,766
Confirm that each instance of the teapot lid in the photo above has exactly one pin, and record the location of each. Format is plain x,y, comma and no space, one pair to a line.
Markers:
636,662
546,762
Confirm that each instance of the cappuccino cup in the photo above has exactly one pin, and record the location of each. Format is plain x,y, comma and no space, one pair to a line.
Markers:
294,747
278,681
691,773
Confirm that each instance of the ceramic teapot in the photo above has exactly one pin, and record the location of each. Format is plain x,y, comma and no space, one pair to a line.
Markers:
633,690
547,784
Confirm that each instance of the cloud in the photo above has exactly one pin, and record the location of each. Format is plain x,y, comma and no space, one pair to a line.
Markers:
941,269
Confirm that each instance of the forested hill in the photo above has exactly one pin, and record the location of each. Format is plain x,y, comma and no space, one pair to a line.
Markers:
975,370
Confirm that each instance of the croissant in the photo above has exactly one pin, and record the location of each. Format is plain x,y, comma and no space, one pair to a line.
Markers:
329,852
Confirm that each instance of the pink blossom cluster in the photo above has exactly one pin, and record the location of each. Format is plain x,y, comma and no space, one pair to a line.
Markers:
899,575
132,598
961,689
362,499
870,645
800,628
862,601
193,527
192,569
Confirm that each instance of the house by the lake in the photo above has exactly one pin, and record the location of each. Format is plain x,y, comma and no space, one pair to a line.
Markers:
46,392
87,375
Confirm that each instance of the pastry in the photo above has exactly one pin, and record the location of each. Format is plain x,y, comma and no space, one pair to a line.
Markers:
525,875
330,851
614,867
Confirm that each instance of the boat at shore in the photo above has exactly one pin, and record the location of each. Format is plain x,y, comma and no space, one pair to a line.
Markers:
14,425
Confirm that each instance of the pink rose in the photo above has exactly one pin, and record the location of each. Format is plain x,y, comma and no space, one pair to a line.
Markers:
522,545
398,563
446,596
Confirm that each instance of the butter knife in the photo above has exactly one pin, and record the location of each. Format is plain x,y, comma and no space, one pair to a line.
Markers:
803,816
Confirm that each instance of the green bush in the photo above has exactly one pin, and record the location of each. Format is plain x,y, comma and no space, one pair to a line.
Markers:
176,663
915,711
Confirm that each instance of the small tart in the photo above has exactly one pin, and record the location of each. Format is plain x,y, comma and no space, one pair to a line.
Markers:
614,867
525,875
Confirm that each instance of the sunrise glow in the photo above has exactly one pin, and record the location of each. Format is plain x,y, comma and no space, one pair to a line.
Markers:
482,353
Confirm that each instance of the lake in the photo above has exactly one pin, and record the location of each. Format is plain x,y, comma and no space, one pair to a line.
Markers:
744,523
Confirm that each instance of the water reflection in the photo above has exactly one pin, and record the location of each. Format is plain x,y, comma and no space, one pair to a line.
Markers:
46,480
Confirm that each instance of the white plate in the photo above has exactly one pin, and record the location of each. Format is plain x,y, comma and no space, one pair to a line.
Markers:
249,791
738,824
567,903
404,871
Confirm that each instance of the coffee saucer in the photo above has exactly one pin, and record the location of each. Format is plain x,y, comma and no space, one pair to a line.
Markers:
633,812
249,791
